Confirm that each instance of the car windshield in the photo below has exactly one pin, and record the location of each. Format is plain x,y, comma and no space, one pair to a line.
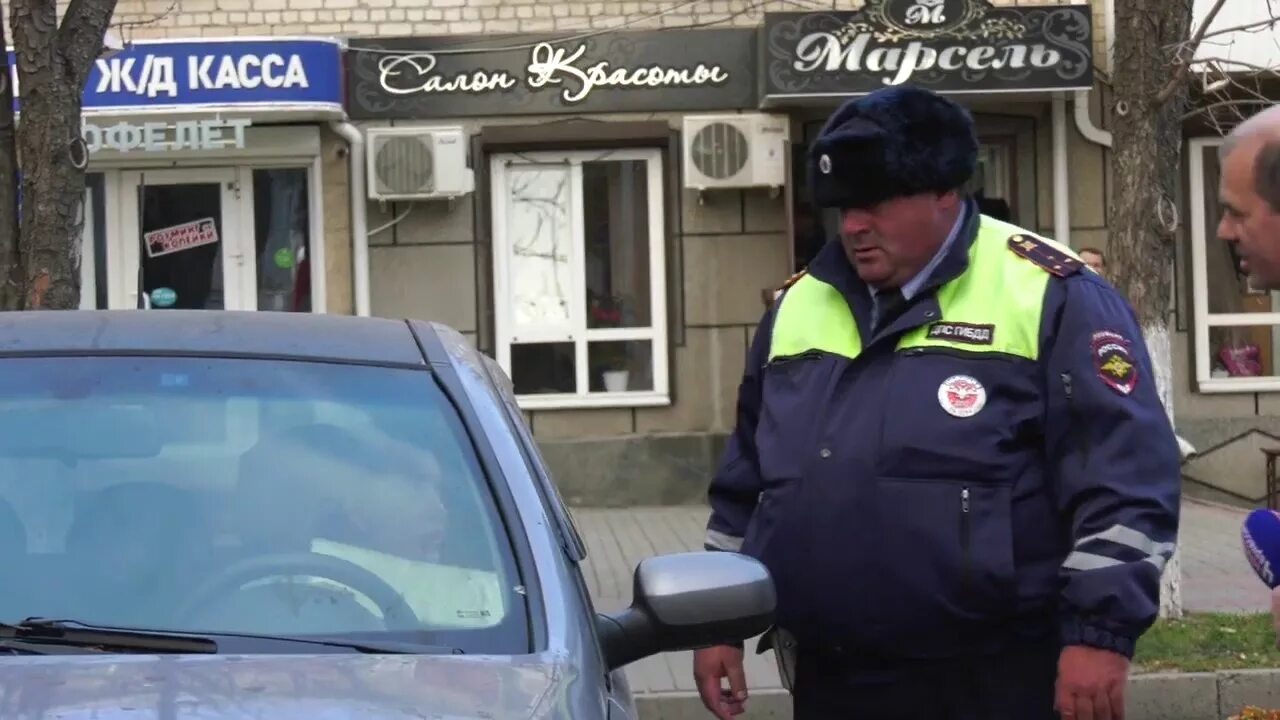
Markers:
219,495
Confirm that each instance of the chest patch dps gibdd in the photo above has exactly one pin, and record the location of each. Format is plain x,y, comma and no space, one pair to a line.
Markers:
963,333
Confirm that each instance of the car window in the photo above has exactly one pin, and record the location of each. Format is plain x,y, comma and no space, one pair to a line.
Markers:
249,496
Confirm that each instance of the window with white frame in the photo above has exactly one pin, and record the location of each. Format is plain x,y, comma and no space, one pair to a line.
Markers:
579,277
1237,326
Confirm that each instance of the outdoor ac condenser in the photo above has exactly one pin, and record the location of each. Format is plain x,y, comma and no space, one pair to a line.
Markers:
735,151
417,163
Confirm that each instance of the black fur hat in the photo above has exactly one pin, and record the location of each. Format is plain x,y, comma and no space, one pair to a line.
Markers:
897,141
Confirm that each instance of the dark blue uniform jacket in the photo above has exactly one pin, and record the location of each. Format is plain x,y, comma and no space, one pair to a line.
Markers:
893,530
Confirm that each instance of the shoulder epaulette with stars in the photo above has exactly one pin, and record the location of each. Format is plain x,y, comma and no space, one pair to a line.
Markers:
793,279
1045,255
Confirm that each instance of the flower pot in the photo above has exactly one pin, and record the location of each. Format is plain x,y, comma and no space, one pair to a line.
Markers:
615,380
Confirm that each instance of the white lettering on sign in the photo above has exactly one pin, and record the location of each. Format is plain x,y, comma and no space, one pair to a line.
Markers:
825,52
155,76
548,65
926,12
177,238
420,66
159,137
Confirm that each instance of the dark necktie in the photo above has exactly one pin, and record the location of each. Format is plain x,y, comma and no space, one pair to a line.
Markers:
889,305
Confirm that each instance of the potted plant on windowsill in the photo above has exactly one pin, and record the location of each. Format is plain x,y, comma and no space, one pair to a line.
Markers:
609,357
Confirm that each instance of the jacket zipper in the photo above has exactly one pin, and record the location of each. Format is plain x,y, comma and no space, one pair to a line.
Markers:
964,538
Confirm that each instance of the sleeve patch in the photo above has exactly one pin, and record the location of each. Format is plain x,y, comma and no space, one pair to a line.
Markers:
1044,255
1113,361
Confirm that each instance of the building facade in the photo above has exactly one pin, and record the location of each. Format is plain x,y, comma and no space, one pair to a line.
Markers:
598,194
1227,339
627,199
207,179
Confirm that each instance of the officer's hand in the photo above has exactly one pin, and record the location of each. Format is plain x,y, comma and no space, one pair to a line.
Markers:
710,665
1091,684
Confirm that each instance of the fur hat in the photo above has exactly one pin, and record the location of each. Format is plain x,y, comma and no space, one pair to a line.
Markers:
897,141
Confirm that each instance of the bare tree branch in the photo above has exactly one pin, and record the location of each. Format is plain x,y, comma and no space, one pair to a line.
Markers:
1208,109
1249,27
1218,62
125,26
1188,54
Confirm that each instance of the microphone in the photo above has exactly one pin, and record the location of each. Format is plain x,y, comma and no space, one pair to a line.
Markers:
1260,535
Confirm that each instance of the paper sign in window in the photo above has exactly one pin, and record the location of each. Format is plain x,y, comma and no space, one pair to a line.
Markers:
177,238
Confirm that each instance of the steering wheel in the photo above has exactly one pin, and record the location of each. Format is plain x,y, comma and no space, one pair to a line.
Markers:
396,612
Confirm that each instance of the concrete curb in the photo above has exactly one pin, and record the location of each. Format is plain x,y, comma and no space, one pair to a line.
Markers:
1151,696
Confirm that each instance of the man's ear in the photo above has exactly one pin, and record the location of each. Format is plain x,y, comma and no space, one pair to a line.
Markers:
949,199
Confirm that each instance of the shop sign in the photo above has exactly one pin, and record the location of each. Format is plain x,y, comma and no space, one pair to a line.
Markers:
524,74
950,46
213,74
128,137
177,238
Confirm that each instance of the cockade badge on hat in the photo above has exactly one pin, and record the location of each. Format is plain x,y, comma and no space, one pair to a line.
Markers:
824,164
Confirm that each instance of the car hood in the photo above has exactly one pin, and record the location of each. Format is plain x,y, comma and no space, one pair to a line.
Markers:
283,687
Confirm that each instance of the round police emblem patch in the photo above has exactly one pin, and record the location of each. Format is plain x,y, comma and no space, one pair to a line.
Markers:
824,164
962,395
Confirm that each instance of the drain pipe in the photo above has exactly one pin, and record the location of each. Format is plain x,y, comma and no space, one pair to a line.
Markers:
359,219
1061,188
1084,122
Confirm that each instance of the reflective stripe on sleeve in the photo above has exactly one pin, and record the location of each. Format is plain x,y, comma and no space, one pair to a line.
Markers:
1157,553
722,541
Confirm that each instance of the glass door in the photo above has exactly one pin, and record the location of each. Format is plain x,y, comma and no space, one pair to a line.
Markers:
183,241
991,183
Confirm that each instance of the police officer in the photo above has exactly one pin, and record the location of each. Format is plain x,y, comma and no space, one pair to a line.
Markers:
949,452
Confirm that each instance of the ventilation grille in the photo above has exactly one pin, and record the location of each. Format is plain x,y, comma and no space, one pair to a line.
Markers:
405,165
719,150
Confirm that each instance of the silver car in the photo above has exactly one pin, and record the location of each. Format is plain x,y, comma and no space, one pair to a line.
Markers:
212,515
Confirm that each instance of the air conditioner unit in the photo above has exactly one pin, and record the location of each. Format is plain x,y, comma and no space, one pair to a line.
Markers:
417,163
735,151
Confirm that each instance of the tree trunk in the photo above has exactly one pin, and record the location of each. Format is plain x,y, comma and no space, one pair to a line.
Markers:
53,66
10,287
1147,133
48,136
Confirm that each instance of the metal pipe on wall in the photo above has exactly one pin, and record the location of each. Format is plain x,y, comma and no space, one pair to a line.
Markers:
1061,188
359,217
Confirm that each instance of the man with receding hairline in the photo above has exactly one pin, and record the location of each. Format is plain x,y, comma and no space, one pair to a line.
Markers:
1249,192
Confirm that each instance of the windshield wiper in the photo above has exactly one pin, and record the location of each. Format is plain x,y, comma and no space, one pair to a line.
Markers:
80,633
377,647
68,632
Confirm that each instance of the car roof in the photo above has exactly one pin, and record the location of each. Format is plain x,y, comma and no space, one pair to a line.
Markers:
308,336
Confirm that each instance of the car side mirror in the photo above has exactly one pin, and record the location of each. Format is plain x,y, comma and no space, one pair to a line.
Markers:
686,601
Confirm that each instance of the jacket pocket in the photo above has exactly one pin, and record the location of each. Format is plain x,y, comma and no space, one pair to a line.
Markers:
765,520
967,413
793,391
944,573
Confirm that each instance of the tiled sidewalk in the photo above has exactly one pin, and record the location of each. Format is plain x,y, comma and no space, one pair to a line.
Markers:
1215,575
